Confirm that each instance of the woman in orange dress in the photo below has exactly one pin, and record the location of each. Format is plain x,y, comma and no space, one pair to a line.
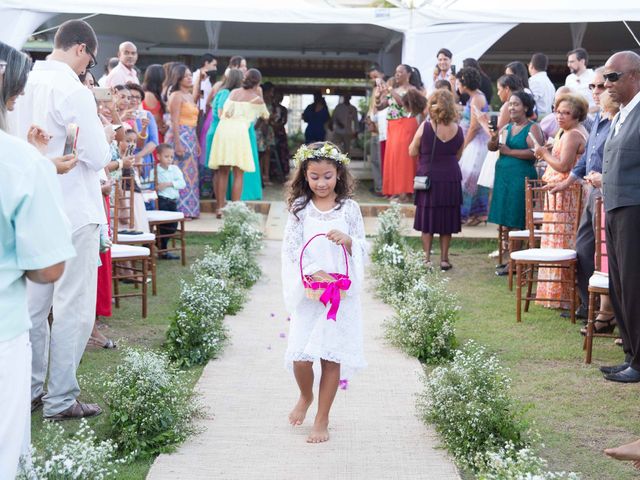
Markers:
570,111
400,167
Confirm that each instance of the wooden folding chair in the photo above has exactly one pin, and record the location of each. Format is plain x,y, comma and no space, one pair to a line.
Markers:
560,222
157,218
598,284
130,262
123,200
518,239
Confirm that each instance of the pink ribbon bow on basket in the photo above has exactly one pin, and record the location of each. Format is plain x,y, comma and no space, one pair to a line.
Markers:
332,295
332,290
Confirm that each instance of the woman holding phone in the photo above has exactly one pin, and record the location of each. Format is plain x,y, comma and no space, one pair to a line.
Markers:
515,163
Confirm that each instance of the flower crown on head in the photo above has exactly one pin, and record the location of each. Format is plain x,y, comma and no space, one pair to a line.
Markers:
327,150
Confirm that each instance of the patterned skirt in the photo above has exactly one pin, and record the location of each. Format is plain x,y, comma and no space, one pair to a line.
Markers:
189,202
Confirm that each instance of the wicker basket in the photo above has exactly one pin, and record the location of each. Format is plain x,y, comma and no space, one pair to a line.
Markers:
313,288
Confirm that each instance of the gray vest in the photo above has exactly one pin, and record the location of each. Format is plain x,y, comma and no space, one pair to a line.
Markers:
621,164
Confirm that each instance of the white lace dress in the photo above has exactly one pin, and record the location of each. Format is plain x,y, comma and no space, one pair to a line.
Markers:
311,335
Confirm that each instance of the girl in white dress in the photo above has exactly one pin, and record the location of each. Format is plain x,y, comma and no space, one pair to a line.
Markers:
319,203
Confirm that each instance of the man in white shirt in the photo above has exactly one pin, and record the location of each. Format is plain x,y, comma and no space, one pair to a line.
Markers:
125,71
202,83
443,69
581,76
540,85
53,98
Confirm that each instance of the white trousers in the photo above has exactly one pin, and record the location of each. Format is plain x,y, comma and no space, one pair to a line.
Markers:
15,422
60,348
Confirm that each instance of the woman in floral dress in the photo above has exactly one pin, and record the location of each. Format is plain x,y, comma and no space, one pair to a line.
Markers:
570,111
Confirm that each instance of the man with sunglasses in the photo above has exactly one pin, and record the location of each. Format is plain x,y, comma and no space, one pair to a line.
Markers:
54,98
621,193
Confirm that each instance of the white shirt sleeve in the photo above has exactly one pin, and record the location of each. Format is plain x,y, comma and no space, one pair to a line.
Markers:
92,145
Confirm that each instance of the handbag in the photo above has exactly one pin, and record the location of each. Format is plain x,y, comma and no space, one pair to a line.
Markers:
423,182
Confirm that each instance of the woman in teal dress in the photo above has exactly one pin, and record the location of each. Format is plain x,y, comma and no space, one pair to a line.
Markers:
516,162
252,186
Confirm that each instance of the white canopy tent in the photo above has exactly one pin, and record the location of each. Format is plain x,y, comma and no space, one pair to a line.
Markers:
466,27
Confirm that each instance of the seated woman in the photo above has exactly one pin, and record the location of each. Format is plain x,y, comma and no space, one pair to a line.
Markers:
570,111
438,142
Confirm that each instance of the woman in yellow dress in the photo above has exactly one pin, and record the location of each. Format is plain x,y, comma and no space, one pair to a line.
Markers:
231,146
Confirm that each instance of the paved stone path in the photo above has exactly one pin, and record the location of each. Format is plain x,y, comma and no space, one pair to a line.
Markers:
375,433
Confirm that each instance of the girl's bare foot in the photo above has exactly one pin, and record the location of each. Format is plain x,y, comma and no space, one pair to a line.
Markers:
319,432
629,451
296,417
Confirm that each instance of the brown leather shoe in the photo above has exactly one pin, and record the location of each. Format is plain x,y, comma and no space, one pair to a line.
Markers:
77,410
36,403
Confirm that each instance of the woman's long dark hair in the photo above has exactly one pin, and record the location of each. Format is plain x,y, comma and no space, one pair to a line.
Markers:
519,70
233,80
14,78
299,192
415,79
177,74
153,80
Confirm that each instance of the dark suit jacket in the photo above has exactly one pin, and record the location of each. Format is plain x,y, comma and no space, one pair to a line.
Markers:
621,164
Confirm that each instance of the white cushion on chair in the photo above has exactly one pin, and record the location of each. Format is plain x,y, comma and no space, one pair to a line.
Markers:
163,215
149,195
142,237
122,251
524,234
538,215
544,254
599,280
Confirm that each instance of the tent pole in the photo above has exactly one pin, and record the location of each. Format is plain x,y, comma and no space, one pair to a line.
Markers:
631,32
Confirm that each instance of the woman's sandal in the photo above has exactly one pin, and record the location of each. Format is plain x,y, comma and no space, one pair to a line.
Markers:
445,265
610,325
218,214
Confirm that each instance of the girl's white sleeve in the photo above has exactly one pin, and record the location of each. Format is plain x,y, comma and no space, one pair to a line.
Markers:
292,243
359,245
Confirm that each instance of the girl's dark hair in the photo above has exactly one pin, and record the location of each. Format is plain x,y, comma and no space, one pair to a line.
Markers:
177,74
511,82
469,77
252,79
14,78
153,80
415,79
527,100
299,192
414,101
520,71
233,80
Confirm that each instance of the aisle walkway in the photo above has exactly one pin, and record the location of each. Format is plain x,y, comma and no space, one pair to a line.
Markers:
375,433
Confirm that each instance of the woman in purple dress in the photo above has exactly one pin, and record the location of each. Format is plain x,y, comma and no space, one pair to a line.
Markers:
438,142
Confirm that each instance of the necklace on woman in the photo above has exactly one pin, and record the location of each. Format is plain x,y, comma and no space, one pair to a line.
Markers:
519,126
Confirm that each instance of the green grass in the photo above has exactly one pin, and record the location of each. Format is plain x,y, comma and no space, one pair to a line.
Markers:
575,410
127,328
